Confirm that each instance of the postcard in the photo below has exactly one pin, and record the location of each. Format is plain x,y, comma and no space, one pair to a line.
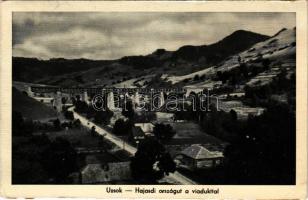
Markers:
155,99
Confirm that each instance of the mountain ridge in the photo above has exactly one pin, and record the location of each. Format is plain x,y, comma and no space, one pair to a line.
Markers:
185,59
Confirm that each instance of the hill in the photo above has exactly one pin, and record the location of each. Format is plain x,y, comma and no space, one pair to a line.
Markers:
255,66
196,56
83,72
30,108
232,44
31,69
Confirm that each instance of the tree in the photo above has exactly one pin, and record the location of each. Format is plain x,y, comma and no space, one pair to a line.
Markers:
258,154
196,77
57,124
202,77
103,116
77,123
17,123
151,162
27,160
163,131
244,70
93,131
122,127
266,63
239,59
60,159
186,80
63,100
81,106
144,117
69,115
128,110
233,115
73,99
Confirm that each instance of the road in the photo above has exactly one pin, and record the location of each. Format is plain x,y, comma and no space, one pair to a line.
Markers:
175,177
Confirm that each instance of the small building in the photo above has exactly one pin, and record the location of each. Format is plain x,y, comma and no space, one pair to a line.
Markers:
164,117
198,157
142,130
45,100
241,110
137,134
227,106
233,94
244,112
147,128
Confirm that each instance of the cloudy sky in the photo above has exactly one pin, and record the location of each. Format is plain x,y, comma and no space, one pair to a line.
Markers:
113,35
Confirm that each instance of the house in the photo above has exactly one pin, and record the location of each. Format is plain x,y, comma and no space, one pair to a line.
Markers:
142,130
164,117
241,110
45,100
198,157
233,94
105,173
227,106
137,134
244,112
147,128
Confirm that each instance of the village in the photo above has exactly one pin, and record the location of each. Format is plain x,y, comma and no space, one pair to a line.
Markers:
189,146
218,111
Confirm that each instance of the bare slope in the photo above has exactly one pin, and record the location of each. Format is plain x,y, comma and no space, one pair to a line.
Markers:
31,108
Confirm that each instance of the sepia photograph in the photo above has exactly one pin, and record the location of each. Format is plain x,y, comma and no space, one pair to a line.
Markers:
153,98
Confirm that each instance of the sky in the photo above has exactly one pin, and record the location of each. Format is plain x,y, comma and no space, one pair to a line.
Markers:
112,35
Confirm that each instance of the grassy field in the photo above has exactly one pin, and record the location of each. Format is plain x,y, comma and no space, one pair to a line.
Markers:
78,137
186,129
31,108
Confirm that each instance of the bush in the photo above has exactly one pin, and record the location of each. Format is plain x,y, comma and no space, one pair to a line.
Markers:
103,117
258,154
57,124
128,110
77,123
122,127
150,152
163,131
69,115
266,63
196,78
186,80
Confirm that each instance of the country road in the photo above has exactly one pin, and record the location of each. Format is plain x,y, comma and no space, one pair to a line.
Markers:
176,176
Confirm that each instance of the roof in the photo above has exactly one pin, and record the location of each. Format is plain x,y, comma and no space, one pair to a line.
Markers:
137,132
164,115
98,173
145,127
197,152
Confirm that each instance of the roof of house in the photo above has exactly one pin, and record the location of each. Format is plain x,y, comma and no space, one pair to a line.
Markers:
145,127
98,173
197,152
137,132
